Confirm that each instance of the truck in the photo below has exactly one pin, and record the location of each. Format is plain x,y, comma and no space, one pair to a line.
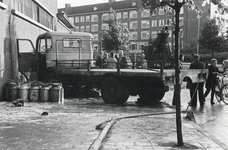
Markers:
67,57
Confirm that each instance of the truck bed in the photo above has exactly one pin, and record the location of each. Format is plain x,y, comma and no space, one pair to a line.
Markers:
194,74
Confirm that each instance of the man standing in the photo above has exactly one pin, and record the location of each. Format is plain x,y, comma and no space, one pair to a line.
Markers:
122,60
111,61
196,64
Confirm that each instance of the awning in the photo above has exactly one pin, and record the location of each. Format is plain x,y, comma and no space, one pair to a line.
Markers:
64,19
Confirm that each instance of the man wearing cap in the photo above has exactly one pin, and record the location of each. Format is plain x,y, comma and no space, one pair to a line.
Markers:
196,64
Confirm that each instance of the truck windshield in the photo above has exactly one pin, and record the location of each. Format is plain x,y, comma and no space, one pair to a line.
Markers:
45,45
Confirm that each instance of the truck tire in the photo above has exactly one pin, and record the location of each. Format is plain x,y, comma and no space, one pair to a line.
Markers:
114,91
153,96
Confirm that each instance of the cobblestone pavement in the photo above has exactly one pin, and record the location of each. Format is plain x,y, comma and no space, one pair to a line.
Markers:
71,126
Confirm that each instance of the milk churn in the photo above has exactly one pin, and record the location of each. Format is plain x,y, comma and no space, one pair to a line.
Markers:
55,92
13,91
33,93
44,93
23,91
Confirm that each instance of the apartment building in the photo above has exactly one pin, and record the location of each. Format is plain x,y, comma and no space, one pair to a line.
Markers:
24,19
141,23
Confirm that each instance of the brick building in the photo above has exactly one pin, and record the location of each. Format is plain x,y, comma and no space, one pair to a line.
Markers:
25,20
140,23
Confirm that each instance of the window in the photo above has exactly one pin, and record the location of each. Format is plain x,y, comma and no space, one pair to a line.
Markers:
71,42
161,23
133,25
145,24
125,25
154,23
181,33
87,18
154,34
181,21
82,19
94,27
145,35
94,18
133,14
145,13
105,16
133,36
161,11
125,14
133,46
141,47
119,15
76,19
168,22
105,26
34,11
77,28
87,28
82,28
182,10
95,37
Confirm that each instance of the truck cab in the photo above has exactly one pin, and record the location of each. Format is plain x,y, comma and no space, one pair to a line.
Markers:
56,50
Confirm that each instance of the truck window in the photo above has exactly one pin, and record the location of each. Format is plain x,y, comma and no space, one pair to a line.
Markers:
25,46
44,46
68,43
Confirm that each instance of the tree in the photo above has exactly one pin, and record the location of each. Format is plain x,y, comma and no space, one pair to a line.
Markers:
176,5
117,37
209,37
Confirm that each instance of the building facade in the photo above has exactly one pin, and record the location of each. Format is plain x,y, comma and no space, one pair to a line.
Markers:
141,23
24,19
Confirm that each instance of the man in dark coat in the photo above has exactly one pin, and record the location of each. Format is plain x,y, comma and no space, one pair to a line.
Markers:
196,64
122,60
211,79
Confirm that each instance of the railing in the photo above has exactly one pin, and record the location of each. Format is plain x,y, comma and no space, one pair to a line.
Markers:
90,64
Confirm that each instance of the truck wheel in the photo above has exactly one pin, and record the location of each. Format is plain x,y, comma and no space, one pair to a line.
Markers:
150,97
153,96
113,91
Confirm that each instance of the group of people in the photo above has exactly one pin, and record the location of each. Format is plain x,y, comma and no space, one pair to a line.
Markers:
198,87
109,61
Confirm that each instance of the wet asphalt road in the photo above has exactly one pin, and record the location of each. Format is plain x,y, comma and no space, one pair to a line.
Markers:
72,125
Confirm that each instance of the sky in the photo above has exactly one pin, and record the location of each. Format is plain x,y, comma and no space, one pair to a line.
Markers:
61,3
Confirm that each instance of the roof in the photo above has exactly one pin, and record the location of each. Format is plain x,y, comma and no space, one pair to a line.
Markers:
62,33
103,7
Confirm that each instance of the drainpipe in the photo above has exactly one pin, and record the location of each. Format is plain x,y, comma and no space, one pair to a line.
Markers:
10,44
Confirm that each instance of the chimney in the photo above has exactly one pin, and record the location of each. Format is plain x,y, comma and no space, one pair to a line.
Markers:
68,8
111,1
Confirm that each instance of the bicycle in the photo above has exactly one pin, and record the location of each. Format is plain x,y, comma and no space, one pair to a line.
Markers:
221,89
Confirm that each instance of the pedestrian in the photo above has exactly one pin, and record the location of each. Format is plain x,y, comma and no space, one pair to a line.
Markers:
111,61
213,71
122,59
181,59
99,59
142,63
196,64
